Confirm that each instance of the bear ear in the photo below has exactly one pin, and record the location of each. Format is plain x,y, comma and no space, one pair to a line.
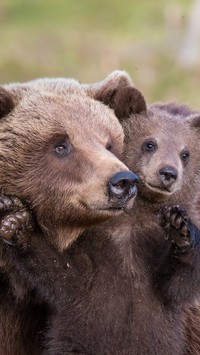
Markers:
101,89
6,102
194,121
117,92
125,102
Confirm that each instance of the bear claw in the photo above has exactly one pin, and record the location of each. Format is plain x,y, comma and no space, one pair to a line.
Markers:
9,203
16,221
177,227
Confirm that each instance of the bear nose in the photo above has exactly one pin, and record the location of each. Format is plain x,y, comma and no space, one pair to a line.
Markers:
122,185
168,175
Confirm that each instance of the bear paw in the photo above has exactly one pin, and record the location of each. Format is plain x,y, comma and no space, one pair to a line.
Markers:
16,221
177,226
9,203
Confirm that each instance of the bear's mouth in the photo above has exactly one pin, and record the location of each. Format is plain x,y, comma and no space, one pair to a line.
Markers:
112,207
159,189
116,209
125,207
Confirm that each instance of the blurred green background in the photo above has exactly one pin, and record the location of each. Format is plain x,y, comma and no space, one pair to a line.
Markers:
87,39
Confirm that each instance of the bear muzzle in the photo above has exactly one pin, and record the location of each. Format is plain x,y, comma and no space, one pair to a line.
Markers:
122,188
168,175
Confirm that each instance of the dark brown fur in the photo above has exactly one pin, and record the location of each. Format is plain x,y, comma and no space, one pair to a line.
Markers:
6,103
67,193
192,329
122,287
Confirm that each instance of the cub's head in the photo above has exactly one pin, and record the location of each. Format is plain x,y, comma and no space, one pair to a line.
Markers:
162,147
60,151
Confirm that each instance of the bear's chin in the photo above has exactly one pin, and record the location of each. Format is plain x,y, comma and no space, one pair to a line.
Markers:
102,214
155,194
114,207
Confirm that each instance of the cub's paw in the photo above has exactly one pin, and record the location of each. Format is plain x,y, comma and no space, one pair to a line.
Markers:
177,226
16,222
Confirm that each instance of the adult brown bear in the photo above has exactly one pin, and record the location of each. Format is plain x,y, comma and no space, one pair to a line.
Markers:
122,288
56,151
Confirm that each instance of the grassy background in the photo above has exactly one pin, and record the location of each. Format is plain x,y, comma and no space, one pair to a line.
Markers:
87,39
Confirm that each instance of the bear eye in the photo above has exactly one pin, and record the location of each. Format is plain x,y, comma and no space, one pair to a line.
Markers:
185,156
63,149
109,146
149,146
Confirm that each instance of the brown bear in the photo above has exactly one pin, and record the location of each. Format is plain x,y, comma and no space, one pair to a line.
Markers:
122,288
192,313
59,152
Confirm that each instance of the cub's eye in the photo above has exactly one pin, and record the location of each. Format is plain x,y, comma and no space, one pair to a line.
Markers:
185,156
109,146
149,146
63,149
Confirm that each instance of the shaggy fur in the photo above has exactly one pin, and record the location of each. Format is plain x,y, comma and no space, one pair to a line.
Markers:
56,152
123,287
174,108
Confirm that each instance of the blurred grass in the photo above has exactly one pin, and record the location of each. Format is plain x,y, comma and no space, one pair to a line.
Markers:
87,39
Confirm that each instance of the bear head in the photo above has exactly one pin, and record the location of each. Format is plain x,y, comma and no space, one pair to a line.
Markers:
59,150
161,146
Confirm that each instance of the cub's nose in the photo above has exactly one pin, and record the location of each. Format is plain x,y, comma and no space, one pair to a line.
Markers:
168,175
122,185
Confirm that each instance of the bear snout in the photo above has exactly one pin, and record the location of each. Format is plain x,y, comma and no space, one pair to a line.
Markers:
168,175
122,186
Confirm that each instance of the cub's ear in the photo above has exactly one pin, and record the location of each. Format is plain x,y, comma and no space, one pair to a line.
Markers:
117,92
6,102
194,121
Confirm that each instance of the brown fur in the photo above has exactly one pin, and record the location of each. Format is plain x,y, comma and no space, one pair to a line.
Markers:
192,314
33,166
67,193
192,329
6,102
121,288
174,109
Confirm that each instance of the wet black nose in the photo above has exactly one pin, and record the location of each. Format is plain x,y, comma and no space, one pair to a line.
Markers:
122,185
168,175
